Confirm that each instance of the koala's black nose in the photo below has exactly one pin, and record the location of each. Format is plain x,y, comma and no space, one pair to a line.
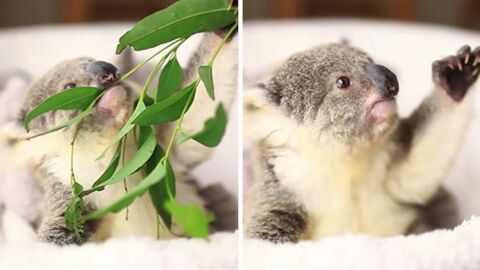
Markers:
385,80
105,73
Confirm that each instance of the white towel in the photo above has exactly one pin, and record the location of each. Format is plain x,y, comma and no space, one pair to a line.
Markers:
437,250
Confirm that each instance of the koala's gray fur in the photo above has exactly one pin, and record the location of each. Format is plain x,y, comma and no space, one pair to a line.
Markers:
52,228
48,156
300,87
332,160
303,89
289,218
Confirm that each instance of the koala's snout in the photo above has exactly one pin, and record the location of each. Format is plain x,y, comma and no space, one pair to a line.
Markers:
105,73
385,80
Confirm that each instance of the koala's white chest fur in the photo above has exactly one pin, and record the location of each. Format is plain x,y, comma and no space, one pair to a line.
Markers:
341,194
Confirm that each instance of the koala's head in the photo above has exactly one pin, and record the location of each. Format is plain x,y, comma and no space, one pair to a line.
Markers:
110,112
337,90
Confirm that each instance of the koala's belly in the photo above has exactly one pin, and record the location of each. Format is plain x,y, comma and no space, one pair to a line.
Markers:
349,198
367,212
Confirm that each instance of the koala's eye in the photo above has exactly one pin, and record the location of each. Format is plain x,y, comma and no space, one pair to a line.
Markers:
68,86
343,82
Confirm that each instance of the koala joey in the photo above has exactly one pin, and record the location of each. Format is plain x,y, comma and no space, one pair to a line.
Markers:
331,154
48,156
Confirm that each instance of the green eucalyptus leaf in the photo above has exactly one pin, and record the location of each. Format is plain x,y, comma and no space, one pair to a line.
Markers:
111,168
78,98
170,79
183,137
137,161
213,130
70,122
206,75
74,219
126,128
167,110
147,100
191,218
159,192
76,188
154,177
180,20
144,134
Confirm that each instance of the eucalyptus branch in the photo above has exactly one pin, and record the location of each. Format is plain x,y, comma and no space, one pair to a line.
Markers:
147,34
158,66
174,134
224,41
123,165
73,180
192,94
76,206
137,67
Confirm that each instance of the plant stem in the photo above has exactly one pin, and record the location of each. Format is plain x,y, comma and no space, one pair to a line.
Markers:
182,115
174,134
144,91
133,70
197,81
224,41
124,147
73,181
157,67
179,121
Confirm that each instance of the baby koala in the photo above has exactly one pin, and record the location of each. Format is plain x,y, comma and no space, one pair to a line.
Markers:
49,156
331,154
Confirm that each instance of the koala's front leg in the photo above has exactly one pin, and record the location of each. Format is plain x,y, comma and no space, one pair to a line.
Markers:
277,225
53,228
276,214
430,138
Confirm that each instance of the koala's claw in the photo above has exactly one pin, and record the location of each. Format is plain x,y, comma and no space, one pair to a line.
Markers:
455,74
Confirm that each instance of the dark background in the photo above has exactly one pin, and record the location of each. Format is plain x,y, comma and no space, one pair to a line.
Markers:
461,13
28,12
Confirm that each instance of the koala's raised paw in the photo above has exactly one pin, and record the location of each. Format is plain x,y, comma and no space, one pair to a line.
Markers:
455,74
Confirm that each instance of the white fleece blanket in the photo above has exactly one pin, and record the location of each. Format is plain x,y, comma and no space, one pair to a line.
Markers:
18,249
457,249
438,250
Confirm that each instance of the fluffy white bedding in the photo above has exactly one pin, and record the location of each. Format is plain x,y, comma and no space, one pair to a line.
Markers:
18,249
457,249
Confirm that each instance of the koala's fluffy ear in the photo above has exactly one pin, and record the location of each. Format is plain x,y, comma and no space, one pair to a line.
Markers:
262,116
17,152
12,144
255,98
